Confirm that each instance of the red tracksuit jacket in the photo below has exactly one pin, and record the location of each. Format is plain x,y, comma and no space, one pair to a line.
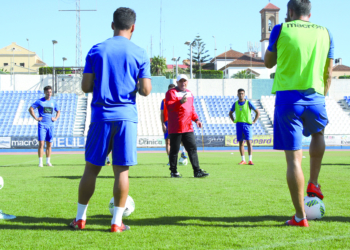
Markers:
180,116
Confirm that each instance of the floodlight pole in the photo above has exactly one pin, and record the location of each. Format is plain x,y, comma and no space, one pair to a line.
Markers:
64,59
53,68
28,56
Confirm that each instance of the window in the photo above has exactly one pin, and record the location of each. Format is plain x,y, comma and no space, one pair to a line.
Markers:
5,64
21,64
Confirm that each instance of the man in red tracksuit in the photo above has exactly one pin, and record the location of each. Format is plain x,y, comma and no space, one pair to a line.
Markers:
181,113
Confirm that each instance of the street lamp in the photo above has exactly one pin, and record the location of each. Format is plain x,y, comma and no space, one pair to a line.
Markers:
28,56
64,59
53,68
173,59
176,60
215,51
191,45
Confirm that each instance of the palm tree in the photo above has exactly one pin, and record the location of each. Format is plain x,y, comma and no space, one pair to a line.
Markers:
243,75
158,66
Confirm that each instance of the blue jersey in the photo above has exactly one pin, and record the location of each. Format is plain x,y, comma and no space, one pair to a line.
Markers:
117,64
297,97
46,110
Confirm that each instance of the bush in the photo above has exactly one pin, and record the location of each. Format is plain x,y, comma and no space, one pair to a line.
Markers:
344,77
48,71
209,74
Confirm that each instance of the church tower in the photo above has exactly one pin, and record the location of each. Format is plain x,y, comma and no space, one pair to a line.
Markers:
269,18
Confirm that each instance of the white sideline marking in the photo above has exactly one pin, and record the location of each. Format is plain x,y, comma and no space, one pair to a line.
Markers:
36,160
283,244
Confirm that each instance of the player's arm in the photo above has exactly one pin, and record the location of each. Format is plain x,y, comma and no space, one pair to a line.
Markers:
195,117
32,113
144,86
162,120
271,52
270,59
328,71
58,113
257,114
171,101
87,83
231,116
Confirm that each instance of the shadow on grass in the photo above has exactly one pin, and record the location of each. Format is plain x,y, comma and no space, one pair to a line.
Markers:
181,220
112,177
46,223
335,164
36,165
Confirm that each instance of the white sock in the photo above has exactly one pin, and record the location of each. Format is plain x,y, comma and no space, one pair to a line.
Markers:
107,159
117,216
40,160
47,159
250,157
81,214
243,158
298,219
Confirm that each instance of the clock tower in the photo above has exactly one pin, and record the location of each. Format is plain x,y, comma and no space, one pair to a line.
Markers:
269,18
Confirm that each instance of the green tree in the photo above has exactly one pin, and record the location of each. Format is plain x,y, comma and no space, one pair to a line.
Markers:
243,75
158,66
49,70
199,53
3,71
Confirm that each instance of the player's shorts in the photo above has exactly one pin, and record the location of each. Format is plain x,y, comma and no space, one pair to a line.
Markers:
166,134
244,131
45,132
120,137
291,122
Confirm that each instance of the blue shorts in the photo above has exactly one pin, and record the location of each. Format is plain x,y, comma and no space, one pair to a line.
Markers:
294,121
45,132
244,131
166,134
120,137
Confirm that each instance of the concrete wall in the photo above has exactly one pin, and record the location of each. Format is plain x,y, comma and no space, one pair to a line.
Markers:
200,87
261,87
339,88
24,82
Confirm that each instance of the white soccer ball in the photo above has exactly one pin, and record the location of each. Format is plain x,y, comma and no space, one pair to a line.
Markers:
129,206
1,182
314,208
183,161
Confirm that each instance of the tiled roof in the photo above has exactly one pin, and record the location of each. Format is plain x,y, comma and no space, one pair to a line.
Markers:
230,54
254,72
341,68
245,61
270,6
181,66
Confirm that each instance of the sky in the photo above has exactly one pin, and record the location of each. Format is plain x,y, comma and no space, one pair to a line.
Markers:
233,23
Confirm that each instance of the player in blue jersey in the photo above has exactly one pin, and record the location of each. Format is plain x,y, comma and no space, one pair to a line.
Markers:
244,123
112,71
304,54
46,107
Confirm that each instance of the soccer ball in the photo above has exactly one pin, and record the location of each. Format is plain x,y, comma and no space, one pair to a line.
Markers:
183,161
129,206
1,182
314,208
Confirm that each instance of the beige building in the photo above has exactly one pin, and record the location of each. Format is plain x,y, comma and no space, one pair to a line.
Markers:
340,70
19,60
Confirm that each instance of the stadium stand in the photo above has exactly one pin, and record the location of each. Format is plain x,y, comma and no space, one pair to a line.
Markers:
339,120
15,119
212,111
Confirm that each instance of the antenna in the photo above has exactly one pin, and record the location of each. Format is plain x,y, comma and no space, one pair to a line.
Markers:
151,46
78,53
160,38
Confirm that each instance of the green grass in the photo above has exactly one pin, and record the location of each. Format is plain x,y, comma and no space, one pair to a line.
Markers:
236,207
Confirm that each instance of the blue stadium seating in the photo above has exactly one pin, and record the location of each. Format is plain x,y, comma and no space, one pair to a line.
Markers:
22,124
219,107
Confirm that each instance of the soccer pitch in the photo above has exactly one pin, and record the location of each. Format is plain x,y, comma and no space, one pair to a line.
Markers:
236,207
